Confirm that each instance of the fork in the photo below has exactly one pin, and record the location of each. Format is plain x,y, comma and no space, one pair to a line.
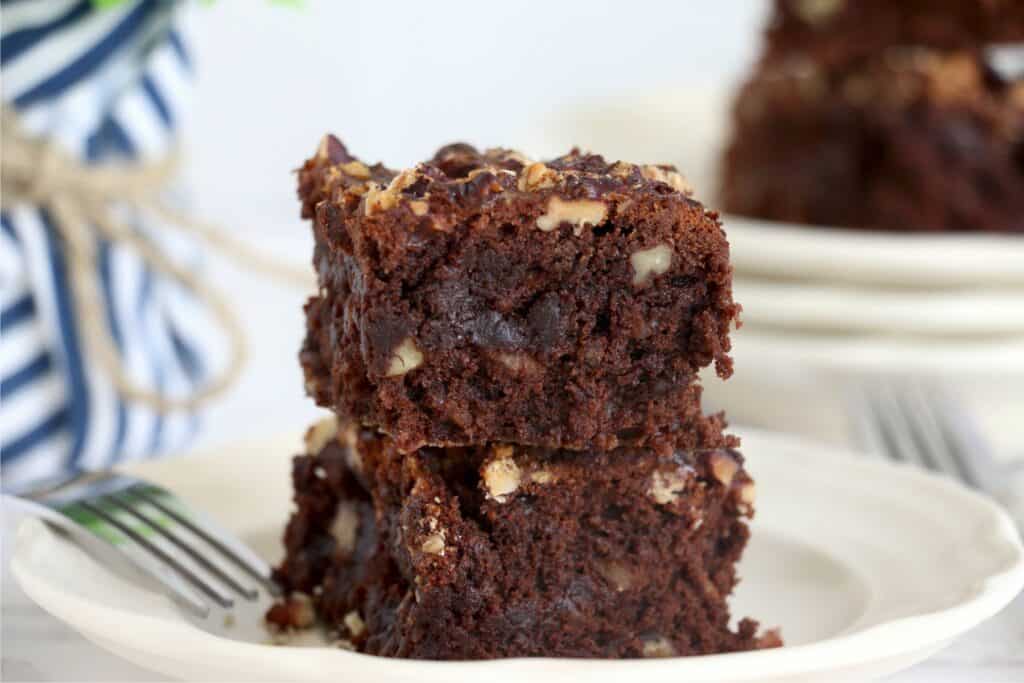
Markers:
922,424
124,520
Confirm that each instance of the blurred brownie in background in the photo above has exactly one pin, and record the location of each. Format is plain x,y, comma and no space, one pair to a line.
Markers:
498,550
860,118
837,32
482,296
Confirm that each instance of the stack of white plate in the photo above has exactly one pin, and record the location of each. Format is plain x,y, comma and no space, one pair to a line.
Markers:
823,308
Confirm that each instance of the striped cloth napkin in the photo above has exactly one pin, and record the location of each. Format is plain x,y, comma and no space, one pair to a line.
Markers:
105,85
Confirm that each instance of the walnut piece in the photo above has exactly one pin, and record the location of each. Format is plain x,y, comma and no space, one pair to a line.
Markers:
617,574
649,263
433,544
518,362
300,610
748,493
502,475
576,212
666,486
320,434
724,467
542,477
344,527
354,623
355,169
404,358
658,647
537,176
381,199
670,177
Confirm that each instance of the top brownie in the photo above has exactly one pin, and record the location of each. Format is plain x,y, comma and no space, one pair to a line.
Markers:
481,296
834,33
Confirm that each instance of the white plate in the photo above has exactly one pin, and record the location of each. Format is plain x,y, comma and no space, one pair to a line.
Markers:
689,128
815,306
790,251
867,568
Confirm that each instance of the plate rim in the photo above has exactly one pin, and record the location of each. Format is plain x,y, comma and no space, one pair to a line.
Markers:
872,257
875,352
894,638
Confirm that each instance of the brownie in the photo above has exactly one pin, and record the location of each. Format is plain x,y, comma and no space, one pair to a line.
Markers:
910,140
502,551
481,297
838,32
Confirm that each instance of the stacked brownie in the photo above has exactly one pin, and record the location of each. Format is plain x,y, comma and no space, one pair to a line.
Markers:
889,115
518,463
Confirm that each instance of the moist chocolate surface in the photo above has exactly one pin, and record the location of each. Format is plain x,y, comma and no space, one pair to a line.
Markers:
481,296
910,140
498,550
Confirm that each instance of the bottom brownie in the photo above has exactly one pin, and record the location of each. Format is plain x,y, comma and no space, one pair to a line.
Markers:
503,551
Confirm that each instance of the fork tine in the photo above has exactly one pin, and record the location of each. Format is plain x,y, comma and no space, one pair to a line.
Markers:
892,426
921,429
930,422
205,530
180,569
965,449
865,425
181,544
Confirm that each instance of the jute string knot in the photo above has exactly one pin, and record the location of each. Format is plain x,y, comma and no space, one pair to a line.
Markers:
83,202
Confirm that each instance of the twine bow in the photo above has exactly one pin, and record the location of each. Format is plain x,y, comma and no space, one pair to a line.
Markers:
81,200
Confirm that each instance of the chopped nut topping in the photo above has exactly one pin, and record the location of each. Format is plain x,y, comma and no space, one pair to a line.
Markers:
499,155
578,213
356,169
537,176
817,11
502,475
354,623
724,467
405,358
672,178
659,647
621,169
344,527
666,486
419,207
381,199
320,434
433,544
649,263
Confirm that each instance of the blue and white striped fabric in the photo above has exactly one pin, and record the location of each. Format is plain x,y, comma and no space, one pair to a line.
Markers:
106,84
